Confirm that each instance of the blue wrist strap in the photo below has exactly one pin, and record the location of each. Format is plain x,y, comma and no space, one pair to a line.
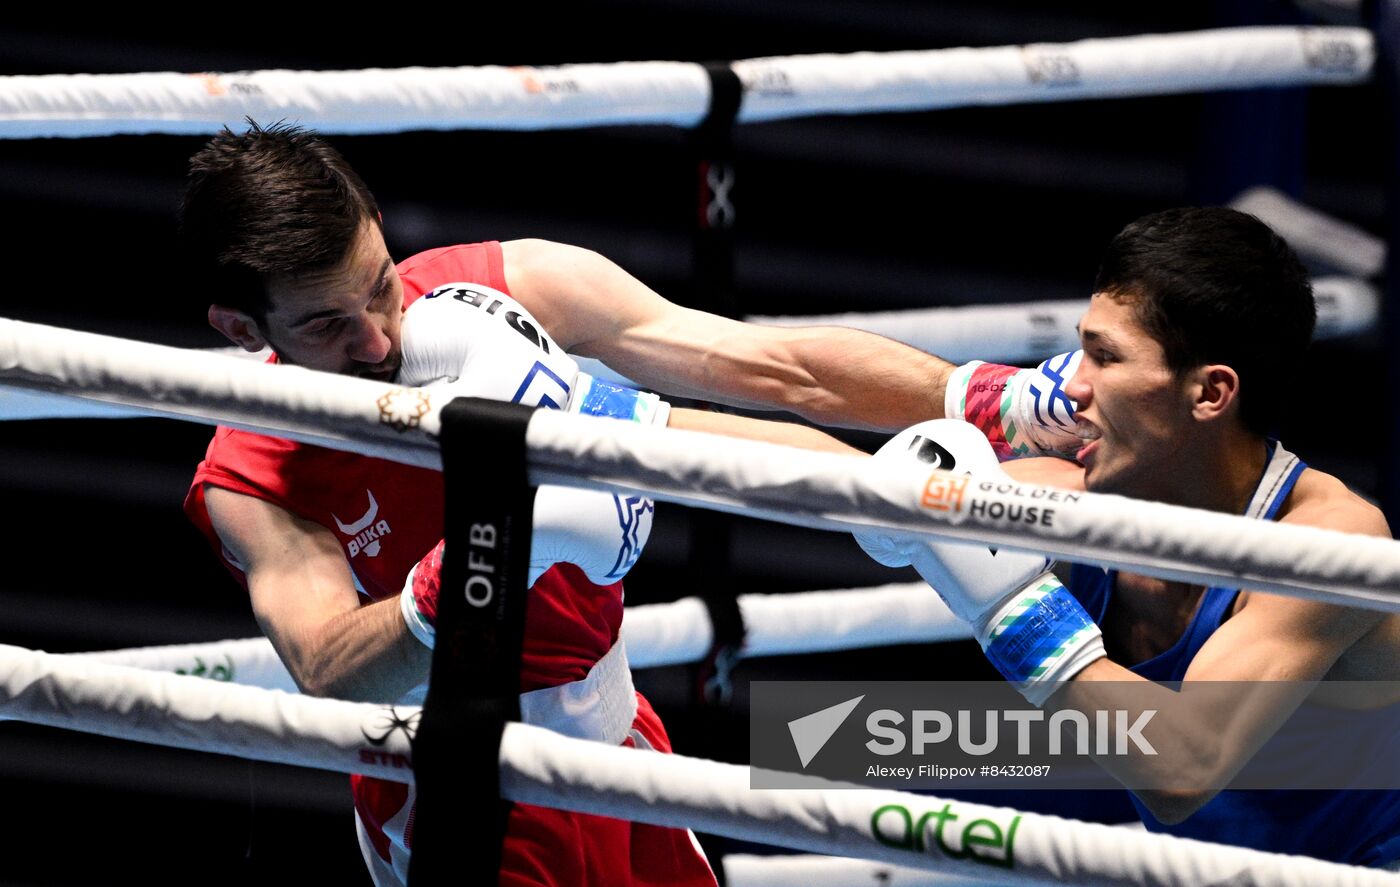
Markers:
595,397
606,399
1045,623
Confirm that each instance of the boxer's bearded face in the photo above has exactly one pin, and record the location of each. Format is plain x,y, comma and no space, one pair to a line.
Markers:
344,319
1134,411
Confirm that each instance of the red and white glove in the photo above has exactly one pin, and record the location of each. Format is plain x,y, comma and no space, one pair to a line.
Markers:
1033,630
1022,412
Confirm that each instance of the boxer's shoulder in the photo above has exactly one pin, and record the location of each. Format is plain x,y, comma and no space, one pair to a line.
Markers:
1319,499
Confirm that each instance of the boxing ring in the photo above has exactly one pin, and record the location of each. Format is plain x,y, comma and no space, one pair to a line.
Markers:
52,372
812,489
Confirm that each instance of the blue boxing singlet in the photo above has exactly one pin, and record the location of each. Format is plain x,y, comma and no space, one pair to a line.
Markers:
1355,826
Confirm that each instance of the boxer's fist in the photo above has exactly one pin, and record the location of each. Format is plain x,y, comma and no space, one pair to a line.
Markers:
969,577
1022,412
484,344
479,342
476,341
1033,630
602,534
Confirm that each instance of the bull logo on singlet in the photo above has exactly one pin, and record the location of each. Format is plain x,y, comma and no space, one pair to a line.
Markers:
364,533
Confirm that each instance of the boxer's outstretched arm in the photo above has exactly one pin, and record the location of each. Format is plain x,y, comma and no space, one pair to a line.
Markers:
305,601
786,433
829,375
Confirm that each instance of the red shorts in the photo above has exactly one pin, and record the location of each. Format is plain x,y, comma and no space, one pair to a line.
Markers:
545,846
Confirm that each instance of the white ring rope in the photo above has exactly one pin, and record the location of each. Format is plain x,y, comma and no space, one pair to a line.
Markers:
1031,331
1314,234
772,482
798,622
539,767
677,93
1019,333
812,870
249,662
655,634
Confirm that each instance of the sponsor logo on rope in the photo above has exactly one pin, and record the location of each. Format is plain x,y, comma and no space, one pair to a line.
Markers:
1045,333
366,531
403,408
947,833
538,82
219,85
1049,66
220,672
995,510
212,83
944,492
1329,55
768,80
386,724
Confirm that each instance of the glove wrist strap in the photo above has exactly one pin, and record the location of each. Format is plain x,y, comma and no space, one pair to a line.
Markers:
595,397
418,624
1039,636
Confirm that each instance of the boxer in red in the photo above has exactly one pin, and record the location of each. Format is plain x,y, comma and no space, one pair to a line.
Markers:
287,239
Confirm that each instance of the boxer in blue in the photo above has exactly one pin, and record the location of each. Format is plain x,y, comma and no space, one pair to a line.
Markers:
1197,321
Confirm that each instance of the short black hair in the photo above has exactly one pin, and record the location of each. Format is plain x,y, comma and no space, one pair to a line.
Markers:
1215,285
270,201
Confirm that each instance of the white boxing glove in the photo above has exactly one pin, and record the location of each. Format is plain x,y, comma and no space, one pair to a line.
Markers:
602,534
485,344
1022,412
479,342
1033,630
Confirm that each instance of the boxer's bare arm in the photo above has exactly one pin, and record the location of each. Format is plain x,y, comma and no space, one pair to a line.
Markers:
305,600
1276,646
828,375
787,433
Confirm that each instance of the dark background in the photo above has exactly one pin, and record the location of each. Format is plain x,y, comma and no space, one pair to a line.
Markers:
836,213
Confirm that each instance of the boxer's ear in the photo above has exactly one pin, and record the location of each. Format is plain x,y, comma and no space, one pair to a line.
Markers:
239,328
1215,391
